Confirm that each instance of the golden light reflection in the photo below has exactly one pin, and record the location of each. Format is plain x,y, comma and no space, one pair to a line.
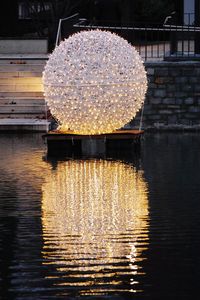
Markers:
95,224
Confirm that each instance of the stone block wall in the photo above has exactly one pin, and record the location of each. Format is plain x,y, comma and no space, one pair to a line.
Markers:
173,96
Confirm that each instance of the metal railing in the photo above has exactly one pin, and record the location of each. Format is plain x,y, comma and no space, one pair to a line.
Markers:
157,42
154,43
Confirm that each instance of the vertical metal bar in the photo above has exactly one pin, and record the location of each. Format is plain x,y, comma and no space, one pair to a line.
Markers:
58,32
138,35
139,45
133,37
182,46
158,48
152,45
146,43
177,40
188,35
141,117
194,39
46,117
164,42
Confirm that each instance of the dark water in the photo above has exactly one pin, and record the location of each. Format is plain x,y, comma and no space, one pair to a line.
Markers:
100,229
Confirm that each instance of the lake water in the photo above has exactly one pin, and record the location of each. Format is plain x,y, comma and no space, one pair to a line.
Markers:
100,229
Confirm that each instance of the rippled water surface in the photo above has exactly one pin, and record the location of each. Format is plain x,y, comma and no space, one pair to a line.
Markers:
100,228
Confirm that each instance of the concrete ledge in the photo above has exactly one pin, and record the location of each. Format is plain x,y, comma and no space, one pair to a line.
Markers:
23,58
12,46
30,125
174,64
173,128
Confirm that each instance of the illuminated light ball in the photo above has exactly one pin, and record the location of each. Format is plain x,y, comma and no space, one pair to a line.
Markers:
94,82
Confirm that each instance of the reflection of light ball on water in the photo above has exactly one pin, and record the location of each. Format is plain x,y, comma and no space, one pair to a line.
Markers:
94,212
94,82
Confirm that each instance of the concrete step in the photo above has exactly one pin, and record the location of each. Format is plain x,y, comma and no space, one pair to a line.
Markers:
14,94
14,46
16,74
22,104
24,56
21,80
22,101
30,115
24,124
21,87
22,109
22,67
23,61
21,96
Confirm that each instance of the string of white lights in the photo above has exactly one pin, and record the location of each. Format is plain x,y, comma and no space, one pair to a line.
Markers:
94,82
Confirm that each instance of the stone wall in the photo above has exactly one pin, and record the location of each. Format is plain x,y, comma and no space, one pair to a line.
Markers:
173,97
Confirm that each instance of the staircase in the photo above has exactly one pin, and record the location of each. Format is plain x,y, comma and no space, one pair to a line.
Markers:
22,104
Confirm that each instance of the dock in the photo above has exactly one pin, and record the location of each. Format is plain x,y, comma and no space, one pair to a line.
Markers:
71,144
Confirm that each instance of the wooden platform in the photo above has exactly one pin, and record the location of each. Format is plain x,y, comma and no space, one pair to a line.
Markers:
71,144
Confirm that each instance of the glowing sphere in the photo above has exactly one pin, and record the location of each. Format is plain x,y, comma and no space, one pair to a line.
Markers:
94,82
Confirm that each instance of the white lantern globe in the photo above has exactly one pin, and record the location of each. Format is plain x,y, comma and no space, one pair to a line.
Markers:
94,82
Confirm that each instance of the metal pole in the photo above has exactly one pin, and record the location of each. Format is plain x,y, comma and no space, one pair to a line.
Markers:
141,118
58,32
59,27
